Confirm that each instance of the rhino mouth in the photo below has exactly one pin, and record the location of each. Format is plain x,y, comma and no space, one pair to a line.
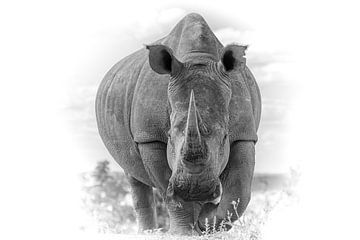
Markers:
191,190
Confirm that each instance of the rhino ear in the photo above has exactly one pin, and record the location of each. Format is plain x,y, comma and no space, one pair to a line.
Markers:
162,60
233,57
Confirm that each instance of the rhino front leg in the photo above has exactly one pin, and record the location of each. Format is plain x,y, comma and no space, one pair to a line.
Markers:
144,205
182,217
155,161
236,180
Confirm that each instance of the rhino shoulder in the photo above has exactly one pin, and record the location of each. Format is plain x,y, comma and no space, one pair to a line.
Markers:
245,107
150,118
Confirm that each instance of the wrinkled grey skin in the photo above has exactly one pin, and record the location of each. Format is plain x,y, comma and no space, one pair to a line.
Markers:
181,116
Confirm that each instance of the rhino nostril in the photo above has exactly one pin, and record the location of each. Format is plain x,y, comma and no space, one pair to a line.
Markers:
217,194
201,226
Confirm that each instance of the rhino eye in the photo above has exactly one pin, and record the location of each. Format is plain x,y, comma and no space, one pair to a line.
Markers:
224,139
204,130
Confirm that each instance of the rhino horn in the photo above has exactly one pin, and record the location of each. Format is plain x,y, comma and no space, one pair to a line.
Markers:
192,133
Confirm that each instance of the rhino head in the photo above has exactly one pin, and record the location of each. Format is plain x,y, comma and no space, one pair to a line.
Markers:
199,94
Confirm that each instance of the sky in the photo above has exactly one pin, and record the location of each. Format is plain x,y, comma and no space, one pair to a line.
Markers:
304,55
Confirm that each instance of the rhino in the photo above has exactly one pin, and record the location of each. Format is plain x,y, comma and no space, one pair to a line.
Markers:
181,115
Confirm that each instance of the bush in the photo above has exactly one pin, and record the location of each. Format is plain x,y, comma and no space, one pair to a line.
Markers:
107,199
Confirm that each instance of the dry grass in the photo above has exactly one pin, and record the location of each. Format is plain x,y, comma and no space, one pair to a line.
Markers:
249,226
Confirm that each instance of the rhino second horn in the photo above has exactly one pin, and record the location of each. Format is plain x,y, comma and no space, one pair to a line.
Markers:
192,133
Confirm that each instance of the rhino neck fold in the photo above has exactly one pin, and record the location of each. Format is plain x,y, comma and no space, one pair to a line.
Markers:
192,37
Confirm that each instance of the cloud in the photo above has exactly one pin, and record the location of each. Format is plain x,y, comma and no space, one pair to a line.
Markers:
230,35
155,24
266,62
170,16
